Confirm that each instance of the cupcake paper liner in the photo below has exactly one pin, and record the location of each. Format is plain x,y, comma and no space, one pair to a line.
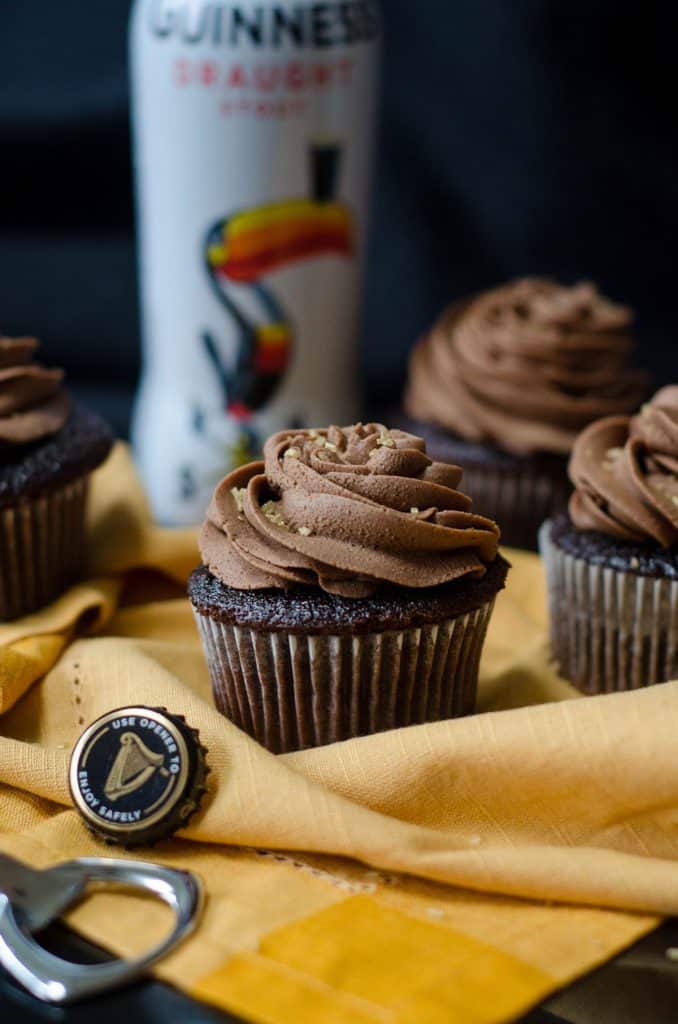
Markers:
610,629
518,499
291,691
42,542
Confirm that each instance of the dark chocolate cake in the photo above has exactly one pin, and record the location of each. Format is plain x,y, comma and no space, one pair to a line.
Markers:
311,610
27,471
643,559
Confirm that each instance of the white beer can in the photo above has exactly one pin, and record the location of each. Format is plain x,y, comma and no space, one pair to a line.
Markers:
253,128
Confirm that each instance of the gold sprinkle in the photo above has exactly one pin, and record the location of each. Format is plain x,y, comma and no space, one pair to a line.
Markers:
634,563
671,954
385,441
332,447
674,499
313,434
270,510
292,453
305,531
611,457
414,511
238,494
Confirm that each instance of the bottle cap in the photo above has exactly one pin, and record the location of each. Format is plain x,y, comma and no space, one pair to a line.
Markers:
137,774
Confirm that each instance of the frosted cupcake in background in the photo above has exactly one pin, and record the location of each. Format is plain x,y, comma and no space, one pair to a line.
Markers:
48,448
612,563
504,382
346,588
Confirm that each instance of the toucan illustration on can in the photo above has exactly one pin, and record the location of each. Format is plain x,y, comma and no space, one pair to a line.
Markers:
241,250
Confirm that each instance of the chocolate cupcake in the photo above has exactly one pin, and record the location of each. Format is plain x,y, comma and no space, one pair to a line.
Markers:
612,563
346,588
505,381
48,448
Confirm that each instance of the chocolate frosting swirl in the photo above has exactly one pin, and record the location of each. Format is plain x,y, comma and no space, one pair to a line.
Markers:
525,366
33,403
346,509
625,471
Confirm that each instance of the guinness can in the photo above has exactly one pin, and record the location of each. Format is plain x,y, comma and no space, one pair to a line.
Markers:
253,135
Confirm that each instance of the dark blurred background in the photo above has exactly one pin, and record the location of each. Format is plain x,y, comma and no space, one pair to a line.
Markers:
516,136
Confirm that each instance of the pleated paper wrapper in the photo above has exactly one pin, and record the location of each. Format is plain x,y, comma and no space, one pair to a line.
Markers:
293,691
42,542
518,499
610,629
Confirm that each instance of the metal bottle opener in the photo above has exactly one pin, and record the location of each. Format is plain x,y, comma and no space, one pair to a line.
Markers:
30,900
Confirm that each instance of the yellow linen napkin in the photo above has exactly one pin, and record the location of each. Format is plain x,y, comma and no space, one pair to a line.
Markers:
409,876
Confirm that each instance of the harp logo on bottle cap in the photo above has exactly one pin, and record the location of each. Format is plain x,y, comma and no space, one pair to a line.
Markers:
137,774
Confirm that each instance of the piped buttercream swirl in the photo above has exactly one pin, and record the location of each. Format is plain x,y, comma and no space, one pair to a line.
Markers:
525,367
346,509
625,473
33,403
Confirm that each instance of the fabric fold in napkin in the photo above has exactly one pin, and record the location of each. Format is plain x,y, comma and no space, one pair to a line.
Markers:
365,880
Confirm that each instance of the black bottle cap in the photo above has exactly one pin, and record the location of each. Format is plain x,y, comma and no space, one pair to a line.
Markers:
137,774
